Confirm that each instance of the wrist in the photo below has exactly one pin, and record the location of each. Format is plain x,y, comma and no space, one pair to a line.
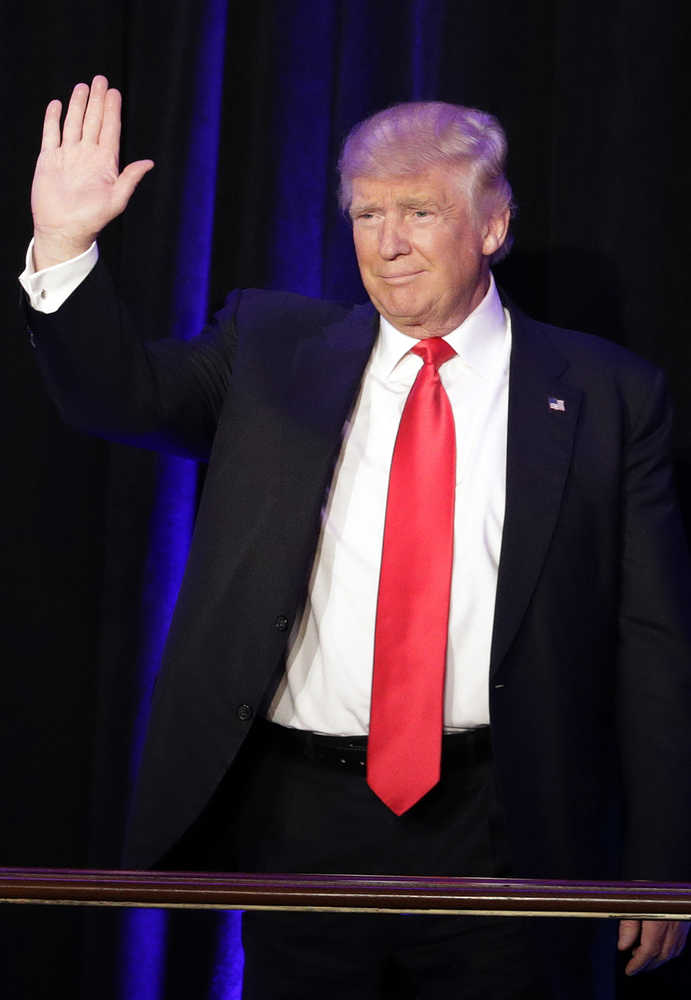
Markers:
50,248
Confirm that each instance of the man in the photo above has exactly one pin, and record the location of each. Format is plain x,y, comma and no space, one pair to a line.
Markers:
434,514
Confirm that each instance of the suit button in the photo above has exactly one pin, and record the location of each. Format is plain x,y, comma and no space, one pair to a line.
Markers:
244,713
281,623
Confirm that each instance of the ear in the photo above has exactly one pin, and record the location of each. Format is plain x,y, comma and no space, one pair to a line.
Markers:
496,228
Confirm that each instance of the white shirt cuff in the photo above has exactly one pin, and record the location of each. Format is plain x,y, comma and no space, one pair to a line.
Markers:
49,288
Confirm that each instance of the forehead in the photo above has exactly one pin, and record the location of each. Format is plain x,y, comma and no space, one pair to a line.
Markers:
438,185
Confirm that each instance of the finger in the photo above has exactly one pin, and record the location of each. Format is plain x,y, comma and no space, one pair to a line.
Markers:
110,131
646,955
639,961
128,181
51,126
675,940
72,129
93,118
629,931
682,935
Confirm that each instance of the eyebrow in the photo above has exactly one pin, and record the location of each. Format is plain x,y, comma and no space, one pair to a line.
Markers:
414,203
420,203
368,206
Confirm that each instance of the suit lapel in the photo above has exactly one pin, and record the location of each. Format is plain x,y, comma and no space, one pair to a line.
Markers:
326,374
543,413
322,384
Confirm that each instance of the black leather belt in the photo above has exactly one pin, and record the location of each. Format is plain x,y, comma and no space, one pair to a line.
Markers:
349,753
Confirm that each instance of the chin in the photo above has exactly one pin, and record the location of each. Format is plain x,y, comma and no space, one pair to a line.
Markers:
402,307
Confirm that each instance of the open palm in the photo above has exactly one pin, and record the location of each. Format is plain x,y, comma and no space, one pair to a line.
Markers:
78,187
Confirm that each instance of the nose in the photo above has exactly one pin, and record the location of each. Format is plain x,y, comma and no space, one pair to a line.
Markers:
393,240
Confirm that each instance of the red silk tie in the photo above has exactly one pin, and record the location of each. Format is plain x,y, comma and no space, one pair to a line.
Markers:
406,718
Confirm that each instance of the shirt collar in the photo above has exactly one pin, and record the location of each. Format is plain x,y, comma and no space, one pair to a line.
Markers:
480,340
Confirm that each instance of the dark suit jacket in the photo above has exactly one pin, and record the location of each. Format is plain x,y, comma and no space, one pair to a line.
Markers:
590,677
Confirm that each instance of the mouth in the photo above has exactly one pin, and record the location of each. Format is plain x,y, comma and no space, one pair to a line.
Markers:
399,279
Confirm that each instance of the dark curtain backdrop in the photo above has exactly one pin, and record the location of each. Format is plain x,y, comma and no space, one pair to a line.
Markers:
243,107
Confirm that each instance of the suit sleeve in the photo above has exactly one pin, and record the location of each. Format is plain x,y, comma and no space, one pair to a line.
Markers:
654,652
107,380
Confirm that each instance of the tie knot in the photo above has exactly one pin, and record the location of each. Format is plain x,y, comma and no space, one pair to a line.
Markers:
434,351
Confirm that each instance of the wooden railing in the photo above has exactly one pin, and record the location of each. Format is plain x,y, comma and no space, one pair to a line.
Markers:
348,893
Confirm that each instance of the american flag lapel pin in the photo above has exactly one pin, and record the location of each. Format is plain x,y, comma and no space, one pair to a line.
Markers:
556,404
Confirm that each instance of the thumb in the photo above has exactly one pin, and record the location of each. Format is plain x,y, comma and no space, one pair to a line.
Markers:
129,179
629,931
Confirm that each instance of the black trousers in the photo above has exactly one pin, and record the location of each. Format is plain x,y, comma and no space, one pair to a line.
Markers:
284,808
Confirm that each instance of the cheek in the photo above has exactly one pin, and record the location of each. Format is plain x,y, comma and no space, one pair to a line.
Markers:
462,262
363,253
440,248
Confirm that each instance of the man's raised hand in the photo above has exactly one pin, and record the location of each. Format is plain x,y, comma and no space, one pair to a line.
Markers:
78,188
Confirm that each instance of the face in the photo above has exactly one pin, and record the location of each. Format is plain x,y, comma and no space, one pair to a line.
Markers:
423,259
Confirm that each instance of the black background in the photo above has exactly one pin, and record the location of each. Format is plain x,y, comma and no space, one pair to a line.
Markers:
594,98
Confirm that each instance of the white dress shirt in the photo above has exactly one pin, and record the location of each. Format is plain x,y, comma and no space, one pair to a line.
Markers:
327,683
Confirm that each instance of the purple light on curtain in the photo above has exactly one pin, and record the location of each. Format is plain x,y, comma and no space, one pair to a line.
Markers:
142,968
425,29
173,515
226,983
302,126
